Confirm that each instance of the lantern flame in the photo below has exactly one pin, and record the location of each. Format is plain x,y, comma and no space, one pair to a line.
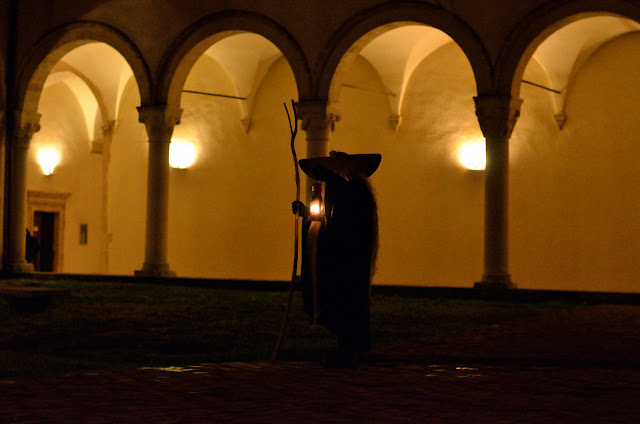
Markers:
315,207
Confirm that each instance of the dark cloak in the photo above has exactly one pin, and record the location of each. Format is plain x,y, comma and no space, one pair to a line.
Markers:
346,249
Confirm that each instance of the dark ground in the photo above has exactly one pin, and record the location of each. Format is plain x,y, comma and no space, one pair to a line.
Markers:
576,366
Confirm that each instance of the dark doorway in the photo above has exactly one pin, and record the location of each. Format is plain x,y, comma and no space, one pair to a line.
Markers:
44,224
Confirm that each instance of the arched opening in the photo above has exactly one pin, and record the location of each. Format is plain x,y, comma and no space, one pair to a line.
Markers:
406,90
228,214
69,159
574,158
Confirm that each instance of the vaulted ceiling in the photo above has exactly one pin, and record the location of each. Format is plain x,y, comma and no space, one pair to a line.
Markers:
98,74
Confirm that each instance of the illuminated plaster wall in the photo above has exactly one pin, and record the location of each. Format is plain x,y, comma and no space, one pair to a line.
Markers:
79,173
430,208
573,211
230,214
574,208
128,187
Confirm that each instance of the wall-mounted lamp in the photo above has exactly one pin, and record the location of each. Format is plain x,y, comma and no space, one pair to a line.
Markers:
48,159
182,154
473,155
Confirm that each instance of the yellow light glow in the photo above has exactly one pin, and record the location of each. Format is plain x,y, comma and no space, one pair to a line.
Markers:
315,207
48,159
473,156
182,154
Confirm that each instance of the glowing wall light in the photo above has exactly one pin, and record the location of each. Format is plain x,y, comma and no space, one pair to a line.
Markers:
473,155
182,154
48,158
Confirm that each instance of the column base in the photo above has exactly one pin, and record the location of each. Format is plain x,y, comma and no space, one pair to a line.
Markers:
23,267
493,282
155,271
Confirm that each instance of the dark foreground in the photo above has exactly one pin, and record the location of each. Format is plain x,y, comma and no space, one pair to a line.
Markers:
575,366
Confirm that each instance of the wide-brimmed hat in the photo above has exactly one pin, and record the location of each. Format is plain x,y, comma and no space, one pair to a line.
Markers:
341,164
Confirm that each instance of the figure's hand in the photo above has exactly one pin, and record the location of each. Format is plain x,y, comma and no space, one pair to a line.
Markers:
298,206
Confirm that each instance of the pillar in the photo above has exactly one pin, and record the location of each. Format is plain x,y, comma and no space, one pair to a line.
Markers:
103,148
318,121
24,126
497,116
159,122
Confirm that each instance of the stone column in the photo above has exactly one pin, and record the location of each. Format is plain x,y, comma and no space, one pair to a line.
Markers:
318,121
103,147
24,126
497,116
159,122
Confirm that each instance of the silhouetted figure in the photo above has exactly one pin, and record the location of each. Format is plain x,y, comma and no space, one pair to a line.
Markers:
340,253
32,247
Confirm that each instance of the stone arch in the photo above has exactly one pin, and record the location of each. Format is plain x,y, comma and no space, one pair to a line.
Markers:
362,28
194,41
525,38
64,68
52,47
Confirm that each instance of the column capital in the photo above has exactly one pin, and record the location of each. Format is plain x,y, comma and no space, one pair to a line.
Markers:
108,128
26,124
159,121
497,115
317,114
98,145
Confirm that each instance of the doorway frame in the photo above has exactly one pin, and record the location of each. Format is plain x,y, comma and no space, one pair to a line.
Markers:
44,201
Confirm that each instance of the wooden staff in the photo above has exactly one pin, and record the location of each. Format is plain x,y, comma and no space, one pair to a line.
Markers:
294,130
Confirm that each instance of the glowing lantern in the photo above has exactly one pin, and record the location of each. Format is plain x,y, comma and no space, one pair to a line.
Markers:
473,156
48,159
316,207
182,154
